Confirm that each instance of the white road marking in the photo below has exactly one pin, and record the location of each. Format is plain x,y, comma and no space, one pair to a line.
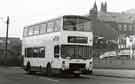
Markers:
54,80
49,79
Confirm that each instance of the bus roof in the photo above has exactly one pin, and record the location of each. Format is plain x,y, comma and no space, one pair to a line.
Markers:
74,16
77,16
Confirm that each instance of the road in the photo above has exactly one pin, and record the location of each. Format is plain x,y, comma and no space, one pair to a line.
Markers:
14,75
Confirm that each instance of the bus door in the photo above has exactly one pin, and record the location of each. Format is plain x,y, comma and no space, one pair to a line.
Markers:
56,61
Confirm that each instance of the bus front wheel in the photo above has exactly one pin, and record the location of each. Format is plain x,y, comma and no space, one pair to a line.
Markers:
90,72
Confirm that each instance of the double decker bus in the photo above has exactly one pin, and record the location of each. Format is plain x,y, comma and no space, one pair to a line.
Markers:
60,45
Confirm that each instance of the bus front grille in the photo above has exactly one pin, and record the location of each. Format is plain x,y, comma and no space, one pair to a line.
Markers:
75,66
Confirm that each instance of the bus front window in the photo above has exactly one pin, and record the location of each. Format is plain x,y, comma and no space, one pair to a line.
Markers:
76,52
76,24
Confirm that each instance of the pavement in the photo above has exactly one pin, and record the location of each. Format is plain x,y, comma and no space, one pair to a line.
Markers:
123,73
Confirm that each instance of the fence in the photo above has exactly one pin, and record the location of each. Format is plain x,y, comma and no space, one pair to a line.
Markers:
114,63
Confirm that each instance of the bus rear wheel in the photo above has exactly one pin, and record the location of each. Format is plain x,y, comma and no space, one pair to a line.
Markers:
28,69
49,70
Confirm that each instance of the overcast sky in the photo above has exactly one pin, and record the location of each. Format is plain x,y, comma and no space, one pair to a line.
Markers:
26,12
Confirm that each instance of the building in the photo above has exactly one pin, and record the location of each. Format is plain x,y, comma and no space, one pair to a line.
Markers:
13,50
114,27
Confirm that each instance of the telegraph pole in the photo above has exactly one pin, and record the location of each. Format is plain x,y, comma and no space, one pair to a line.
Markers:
6,43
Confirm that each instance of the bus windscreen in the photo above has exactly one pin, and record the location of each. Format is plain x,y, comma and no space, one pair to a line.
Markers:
76,24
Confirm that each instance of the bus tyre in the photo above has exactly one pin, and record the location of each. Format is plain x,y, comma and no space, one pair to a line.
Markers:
77,75
49,70
90,72
28,69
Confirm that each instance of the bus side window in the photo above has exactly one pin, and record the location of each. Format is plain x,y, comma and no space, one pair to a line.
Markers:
43,28
25,32
56,51
30,31
36,30
57,25
50,27
42,52
35,52
29,52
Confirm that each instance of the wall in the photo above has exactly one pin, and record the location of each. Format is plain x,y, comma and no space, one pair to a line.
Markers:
114,63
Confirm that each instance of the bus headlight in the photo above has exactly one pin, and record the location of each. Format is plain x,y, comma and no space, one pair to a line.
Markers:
63,65
90,65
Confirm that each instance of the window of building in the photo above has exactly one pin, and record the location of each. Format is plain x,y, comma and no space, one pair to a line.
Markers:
43,28
36,29
119,46
1,41
125,27
130,27
120,27
122,46
125,45
50,26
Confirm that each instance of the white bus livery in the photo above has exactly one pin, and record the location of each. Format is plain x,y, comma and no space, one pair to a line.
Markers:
61,45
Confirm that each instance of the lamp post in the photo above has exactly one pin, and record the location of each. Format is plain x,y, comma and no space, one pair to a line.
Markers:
6,39
6,43
131,39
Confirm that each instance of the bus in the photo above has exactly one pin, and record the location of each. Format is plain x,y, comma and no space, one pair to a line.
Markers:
60,45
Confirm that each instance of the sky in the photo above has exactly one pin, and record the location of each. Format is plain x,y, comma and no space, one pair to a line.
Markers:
26,12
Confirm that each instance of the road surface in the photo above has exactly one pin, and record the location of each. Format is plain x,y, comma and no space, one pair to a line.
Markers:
14,75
